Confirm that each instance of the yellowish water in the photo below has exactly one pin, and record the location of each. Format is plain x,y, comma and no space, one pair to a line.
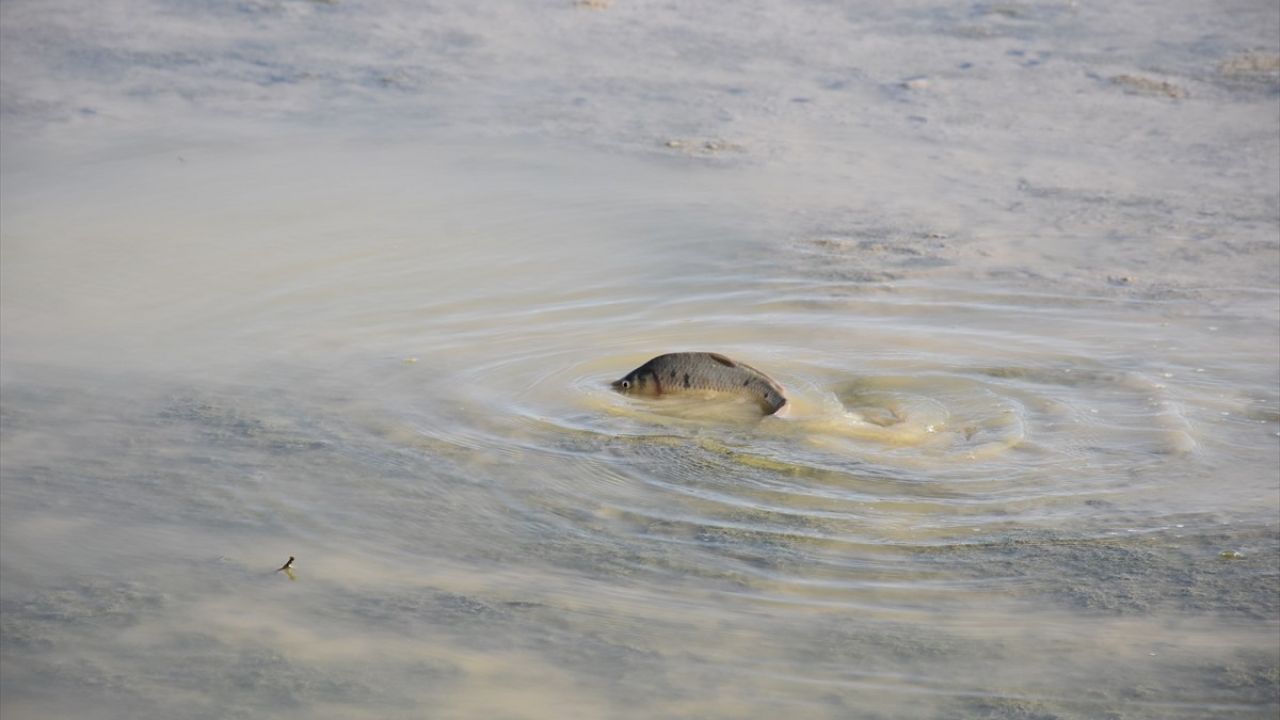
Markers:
990,498
347,282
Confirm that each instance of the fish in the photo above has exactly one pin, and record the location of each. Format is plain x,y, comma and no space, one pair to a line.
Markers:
685,372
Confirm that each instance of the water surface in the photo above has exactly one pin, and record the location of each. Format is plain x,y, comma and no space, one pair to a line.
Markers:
1029,467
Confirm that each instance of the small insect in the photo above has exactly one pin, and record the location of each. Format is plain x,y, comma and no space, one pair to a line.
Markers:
287,565
702,371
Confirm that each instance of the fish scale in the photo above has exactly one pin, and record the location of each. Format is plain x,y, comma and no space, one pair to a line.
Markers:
675,373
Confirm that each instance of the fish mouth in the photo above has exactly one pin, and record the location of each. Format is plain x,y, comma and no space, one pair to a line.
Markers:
616,385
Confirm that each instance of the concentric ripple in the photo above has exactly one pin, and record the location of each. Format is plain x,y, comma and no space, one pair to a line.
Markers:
822,504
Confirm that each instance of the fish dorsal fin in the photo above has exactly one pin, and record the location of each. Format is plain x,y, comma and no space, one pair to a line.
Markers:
722,359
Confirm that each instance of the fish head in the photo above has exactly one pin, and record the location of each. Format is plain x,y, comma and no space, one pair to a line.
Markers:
636,382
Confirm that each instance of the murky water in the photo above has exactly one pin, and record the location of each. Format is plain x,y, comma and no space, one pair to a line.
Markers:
1028,471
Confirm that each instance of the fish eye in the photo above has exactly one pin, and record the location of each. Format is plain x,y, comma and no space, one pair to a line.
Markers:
625,384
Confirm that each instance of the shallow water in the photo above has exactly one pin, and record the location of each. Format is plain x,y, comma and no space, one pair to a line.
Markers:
1028,468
